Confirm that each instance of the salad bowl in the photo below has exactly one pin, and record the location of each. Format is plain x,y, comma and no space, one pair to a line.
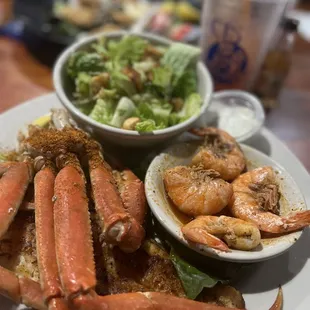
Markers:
120,136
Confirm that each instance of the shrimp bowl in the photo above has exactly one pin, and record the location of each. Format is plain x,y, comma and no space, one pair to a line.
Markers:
226,201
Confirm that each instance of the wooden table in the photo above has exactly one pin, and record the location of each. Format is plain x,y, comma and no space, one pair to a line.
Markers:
22,78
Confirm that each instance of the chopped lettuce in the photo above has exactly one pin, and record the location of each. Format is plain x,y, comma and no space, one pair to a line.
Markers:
144,110
191,107
82,83
122,84
147,126
99,47
161,113
143,67
186,85
178,57
193,280
109,94
162,76
129,49
125,108
103,111
157,111
82,61
159,82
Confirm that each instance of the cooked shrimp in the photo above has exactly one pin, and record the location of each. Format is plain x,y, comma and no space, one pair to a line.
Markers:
196,191
208,230
256,200
220,152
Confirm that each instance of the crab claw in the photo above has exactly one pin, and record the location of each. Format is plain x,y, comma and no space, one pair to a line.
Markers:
13,185
132,194
119,226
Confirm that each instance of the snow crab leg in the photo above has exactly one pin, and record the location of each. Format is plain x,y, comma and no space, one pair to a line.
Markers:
13,185
73,237
132,193
44,219
139,301
119,226
20,289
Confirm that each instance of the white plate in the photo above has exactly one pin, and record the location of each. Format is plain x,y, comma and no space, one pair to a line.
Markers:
181,154
291,269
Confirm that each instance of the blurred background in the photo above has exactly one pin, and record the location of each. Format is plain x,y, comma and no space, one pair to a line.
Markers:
258,45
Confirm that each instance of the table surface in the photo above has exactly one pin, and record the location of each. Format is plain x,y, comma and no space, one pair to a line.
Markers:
22,78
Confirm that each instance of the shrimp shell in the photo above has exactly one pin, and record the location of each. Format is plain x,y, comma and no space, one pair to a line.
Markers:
220,152
208,230
247,205
196,191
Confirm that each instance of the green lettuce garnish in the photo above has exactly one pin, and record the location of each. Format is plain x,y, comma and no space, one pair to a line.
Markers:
125,108
121,83
193,280
103,111
147,126
191,107
186,85
157,111
99,47
82,61
129,49
162,76
178,57
82,83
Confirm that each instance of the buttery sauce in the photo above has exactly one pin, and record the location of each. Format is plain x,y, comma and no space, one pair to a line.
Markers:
180,216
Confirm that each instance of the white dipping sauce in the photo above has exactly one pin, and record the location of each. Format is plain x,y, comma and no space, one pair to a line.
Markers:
234,118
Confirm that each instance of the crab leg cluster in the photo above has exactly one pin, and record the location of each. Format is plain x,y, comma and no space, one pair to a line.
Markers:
64,249
63,229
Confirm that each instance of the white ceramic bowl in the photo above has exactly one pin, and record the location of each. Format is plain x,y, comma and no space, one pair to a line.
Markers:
117,135
181,154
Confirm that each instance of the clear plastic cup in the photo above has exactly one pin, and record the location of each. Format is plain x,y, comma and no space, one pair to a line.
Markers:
235,38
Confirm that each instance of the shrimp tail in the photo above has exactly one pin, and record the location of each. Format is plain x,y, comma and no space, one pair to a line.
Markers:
296,221
199,235
278,304
202,131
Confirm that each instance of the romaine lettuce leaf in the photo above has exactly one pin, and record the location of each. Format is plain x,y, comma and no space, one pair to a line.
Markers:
147,126
193,280
161,113
191,107
186,85
99,47
129,49
125,108
162,76
178,57
82,83
143,67
82,61
144,110
157,111
107,94
103,111
72,69
122,83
